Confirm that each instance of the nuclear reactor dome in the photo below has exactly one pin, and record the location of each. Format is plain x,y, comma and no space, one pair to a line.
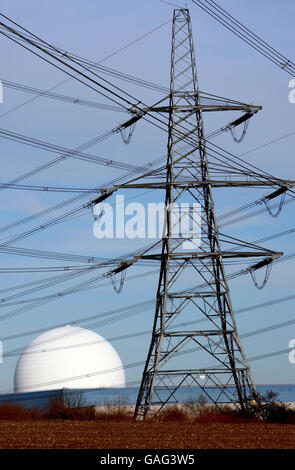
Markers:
68,357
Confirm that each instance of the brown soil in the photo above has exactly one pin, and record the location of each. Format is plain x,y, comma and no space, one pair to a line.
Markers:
62,434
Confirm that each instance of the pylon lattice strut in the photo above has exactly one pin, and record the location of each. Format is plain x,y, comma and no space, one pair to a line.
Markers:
228,377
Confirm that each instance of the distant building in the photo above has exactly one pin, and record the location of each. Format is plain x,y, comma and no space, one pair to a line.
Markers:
68,357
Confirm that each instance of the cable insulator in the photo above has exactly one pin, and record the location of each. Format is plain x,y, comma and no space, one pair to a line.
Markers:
126,135
100,198
118,288
99,216
236,139
267,205
267,274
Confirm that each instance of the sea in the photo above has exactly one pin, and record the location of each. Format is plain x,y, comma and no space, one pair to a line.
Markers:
128,395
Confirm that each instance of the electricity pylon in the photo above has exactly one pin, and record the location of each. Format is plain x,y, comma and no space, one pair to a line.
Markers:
228,376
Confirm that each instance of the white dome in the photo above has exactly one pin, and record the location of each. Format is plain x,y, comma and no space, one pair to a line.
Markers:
68,357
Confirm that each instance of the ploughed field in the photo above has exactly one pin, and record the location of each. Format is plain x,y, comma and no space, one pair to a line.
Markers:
66,434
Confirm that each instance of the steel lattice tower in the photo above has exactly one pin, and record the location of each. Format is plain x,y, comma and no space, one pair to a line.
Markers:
219,343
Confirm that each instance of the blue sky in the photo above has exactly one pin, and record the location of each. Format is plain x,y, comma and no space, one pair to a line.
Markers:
226,67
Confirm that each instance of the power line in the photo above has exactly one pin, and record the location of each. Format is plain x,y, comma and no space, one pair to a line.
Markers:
59,97
244,33
47,49
137,364
99,62
72,153
270,142
134,309
56,50
47,189
223,158
143,115
85,286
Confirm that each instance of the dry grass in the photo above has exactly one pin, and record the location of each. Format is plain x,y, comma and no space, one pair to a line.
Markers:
15,412
116,410
72,407
71,425
174,414
59,409
228,417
